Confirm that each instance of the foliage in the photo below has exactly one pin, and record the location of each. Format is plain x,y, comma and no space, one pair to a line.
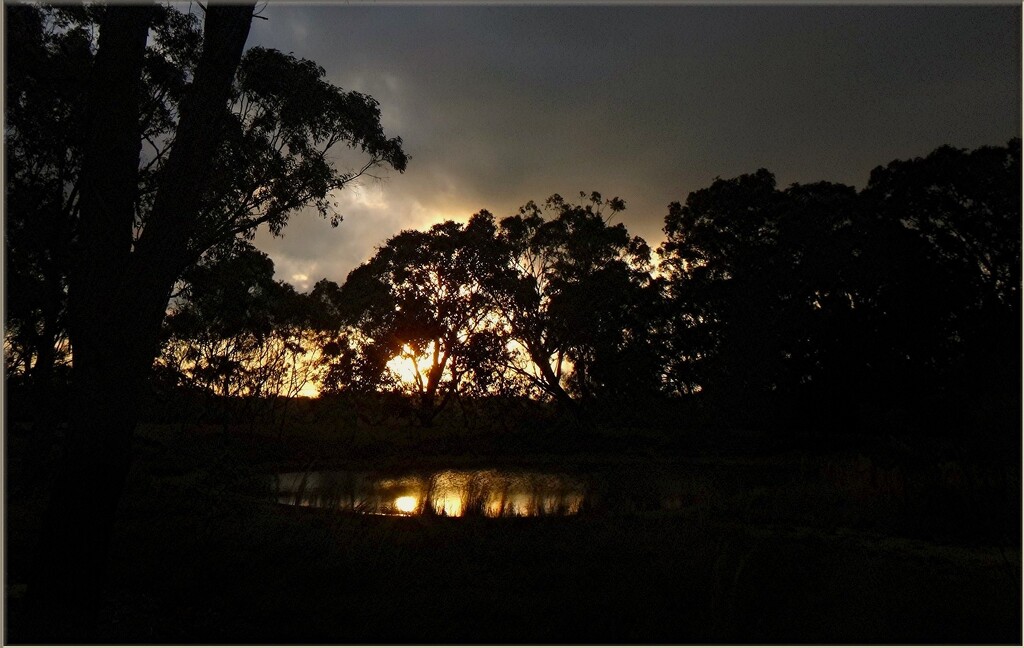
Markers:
828,301
760,283
423,301
716,243
236,332
562,307
956,272
48,55
580,300
285,119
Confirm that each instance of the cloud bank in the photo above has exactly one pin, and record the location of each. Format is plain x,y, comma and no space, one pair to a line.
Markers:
498,105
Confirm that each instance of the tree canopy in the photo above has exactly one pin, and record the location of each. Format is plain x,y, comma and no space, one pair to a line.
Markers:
580,300
848,301
423,302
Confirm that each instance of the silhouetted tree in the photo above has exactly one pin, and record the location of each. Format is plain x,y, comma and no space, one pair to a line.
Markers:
773,294
947,289
580,301
326,311
717,249
50,54
822,330
236,333
834,305
422,301
241,145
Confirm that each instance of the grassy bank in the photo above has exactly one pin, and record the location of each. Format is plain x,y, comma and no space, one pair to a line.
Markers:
784,546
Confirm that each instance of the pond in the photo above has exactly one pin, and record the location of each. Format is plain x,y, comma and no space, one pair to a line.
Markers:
507,492
451,493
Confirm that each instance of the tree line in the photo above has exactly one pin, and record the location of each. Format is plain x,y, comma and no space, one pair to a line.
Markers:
807,305
813,300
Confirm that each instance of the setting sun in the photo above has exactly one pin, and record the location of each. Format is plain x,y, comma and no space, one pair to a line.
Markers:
406,503
404,366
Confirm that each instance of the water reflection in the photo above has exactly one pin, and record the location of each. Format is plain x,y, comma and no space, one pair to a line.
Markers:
453,493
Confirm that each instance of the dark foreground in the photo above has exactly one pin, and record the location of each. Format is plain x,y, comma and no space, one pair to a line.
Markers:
790,547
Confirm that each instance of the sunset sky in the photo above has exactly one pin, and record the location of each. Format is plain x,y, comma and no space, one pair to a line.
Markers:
499,105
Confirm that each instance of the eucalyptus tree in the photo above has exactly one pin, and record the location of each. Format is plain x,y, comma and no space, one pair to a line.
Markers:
580,301
49,52
419,317
176,159
236,334
766,289
948,289
715,243
902,297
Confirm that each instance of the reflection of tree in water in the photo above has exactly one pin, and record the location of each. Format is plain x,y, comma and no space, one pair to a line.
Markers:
501,494
341,490
487,493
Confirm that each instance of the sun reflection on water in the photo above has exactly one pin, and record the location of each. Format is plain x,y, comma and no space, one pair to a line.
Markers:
448,503
450,493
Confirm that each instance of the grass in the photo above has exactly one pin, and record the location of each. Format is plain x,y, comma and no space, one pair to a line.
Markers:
789,547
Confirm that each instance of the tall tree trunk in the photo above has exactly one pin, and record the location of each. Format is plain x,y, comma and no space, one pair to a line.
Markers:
70,563
117,298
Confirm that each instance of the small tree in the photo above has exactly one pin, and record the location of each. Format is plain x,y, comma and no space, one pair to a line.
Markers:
237,334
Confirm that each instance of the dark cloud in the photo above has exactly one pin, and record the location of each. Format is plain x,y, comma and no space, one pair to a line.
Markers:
502,104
